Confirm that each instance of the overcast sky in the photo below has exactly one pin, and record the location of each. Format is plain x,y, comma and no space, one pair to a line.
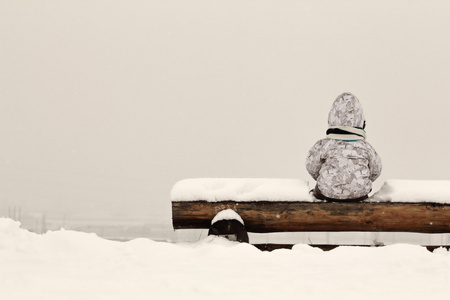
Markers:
106,104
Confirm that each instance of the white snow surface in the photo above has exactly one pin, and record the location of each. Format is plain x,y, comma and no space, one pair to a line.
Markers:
72,265
284,189
227,214
413,191
241,189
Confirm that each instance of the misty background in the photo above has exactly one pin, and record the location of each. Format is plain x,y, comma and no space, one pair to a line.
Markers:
104,105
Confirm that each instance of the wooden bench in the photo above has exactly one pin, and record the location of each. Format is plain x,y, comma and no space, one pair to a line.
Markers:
305,214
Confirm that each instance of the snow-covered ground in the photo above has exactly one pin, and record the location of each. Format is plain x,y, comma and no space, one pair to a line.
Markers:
74,265
66,264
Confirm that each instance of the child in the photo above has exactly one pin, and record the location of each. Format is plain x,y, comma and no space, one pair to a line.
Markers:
344,164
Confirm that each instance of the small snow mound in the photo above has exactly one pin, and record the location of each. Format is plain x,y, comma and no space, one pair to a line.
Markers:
306,249
441,251
210,242
413,191
13,237
241,189
9,226
227,214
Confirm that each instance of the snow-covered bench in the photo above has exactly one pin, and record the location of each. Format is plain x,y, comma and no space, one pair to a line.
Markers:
233,206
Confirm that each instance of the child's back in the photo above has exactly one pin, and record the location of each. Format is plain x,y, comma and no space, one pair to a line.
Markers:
344,164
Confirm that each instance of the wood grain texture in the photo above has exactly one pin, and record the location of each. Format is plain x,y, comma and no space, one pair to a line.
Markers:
318,216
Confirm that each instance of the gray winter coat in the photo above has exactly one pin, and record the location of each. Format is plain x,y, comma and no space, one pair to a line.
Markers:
344,164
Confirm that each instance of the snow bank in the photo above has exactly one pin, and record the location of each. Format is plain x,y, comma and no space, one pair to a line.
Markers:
241,189
413,191
72,265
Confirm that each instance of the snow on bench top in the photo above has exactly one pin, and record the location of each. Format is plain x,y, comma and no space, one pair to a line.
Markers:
413,191
281,189
241,189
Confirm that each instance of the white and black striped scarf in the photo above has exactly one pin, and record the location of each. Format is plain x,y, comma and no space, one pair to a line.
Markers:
346,133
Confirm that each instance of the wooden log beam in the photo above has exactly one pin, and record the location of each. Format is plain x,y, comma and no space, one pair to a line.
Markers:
319,216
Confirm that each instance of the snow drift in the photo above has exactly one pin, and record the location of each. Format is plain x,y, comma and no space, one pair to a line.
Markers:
74,265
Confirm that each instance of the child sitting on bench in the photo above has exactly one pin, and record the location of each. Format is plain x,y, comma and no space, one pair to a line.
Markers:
344,164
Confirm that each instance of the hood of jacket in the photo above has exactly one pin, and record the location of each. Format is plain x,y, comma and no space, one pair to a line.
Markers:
346,111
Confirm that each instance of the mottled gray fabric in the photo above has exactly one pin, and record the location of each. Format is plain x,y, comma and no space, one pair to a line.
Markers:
346,111
344,169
